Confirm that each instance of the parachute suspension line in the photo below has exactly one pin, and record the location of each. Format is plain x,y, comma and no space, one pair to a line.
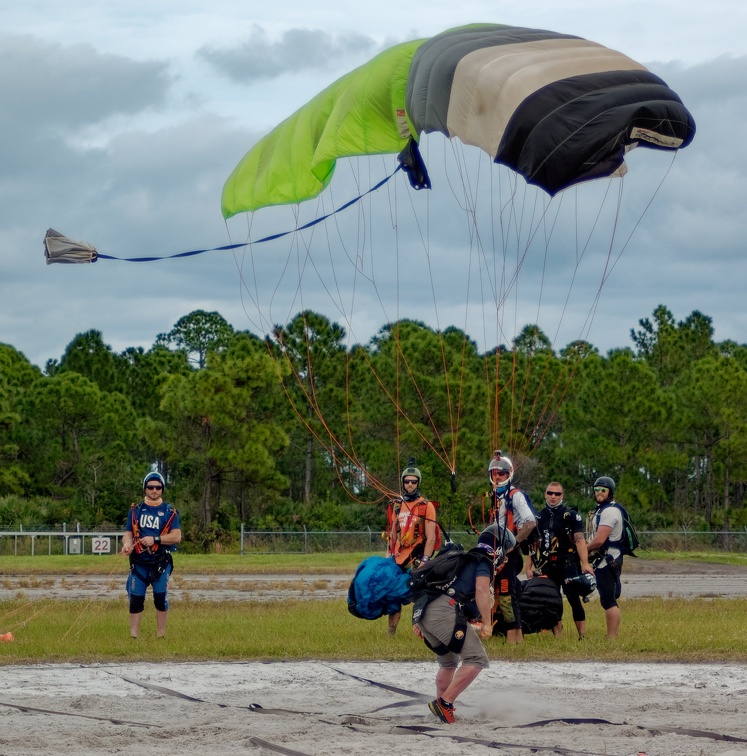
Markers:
442,455
608,265
640,218
564,380
333,444
511,221
469,208
398,398
539,419
358,265
244,285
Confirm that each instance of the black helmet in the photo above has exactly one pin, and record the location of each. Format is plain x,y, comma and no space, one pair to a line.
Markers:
496,542
605,482
582,585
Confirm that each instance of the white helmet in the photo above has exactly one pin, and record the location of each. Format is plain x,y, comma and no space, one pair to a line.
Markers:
500,462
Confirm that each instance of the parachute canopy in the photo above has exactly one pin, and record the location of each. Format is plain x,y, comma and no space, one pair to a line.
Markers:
379,587
556,108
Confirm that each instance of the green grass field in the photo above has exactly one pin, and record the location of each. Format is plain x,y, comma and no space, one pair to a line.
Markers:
80,631
332,563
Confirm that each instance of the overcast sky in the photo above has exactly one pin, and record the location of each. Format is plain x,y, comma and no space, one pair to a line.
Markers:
122,119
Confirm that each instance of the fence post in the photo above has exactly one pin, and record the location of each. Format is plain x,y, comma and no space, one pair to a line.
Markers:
241,542
305,540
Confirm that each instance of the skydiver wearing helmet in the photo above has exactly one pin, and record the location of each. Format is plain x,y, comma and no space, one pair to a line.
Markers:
442,618
561,555
513,512
151,532
606,526
413,531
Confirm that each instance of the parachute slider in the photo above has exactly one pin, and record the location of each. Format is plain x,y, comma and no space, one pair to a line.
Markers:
414,166
60,249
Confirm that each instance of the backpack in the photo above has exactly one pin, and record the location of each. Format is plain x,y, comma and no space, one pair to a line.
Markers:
441,572
540,604
629,542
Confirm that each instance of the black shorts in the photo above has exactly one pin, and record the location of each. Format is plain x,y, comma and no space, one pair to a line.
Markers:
608,582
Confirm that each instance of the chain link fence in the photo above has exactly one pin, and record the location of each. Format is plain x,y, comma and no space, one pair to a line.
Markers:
31,543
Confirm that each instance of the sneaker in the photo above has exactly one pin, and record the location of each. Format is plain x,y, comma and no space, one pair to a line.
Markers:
443,712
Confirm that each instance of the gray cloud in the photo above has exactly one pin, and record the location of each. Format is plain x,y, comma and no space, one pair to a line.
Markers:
258,58
45,84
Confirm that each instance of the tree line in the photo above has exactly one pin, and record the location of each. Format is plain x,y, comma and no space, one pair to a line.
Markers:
301,429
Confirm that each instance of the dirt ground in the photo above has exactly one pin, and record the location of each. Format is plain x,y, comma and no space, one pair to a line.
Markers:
321,709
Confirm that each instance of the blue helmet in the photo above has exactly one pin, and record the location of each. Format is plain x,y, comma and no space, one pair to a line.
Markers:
154,476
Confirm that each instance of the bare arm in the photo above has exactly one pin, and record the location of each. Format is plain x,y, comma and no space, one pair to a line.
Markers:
528,566
596,543
128,542
484,600
583,552
524,531
393,531
431,531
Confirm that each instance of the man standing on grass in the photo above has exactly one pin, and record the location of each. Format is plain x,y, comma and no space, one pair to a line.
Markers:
606,526
513,512
151,532
413,535
561,553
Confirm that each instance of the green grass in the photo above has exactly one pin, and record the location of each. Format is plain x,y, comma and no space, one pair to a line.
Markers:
653,630
200,564
712,557
327,563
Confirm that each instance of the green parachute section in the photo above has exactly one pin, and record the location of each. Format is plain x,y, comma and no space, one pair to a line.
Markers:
363,113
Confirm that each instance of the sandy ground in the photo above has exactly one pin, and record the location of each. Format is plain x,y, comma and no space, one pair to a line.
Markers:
372,708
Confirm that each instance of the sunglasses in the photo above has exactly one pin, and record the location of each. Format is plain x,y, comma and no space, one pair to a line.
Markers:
601,490
410,482
554,493
155,488
500,473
